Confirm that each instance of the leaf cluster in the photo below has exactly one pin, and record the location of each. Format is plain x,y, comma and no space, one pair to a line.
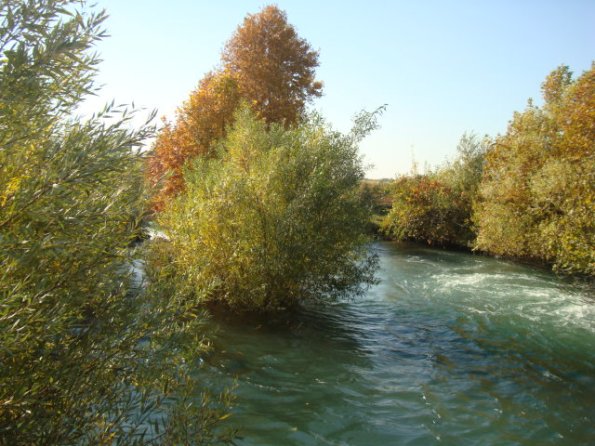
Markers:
87,357
275,220
538,191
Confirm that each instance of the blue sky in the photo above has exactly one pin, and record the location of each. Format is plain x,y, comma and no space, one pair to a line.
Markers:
443,67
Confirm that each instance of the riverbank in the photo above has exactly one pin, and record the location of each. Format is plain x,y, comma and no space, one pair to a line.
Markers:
376,230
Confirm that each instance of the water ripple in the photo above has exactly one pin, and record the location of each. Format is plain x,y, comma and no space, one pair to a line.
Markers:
448,348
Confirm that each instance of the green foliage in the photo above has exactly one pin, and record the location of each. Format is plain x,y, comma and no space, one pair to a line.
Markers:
436,208
426,210
465,172
538,191
377,194
265,65
276,220
86,358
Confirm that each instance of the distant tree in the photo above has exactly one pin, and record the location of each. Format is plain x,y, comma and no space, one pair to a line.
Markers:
465,172
426,210
267,65
538,191
463,177
86,357
436,208
273,66
276,220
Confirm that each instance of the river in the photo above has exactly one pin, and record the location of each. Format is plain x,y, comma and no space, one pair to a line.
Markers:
448,349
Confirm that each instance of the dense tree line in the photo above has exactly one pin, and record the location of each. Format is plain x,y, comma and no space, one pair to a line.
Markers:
537,196
527,194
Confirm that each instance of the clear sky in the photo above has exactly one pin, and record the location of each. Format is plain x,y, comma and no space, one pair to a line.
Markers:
443,67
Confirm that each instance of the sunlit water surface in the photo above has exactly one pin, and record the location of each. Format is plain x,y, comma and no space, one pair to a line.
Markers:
449,348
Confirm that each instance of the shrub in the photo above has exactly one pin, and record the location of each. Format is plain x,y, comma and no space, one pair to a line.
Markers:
537,193
426,210
85,358
276,220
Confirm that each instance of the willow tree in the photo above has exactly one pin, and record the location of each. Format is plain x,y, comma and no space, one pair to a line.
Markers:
275,221
86,357
538,191
265,64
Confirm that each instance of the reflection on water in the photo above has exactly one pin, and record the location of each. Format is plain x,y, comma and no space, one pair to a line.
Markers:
448,348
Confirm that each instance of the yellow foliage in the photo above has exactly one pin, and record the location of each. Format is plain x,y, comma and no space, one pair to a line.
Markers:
266,65
537,193
11,187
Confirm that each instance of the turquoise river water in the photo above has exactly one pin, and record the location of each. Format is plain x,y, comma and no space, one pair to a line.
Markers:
448,349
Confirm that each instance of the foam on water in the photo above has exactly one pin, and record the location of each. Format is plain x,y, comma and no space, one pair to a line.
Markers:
448,348
538,298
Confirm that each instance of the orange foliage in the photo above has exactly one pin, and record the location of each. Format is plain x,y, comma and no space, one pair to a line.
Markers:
265,64
200,122
273,66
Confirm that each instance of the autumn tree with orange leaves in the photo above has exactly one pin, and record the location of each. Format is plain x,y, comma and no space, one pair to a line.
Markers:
265,64
199,123
273,66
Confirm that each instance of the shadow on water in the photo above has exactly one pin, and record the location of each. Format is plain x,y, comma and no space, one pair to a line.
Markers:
449,348
293,374
241,342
